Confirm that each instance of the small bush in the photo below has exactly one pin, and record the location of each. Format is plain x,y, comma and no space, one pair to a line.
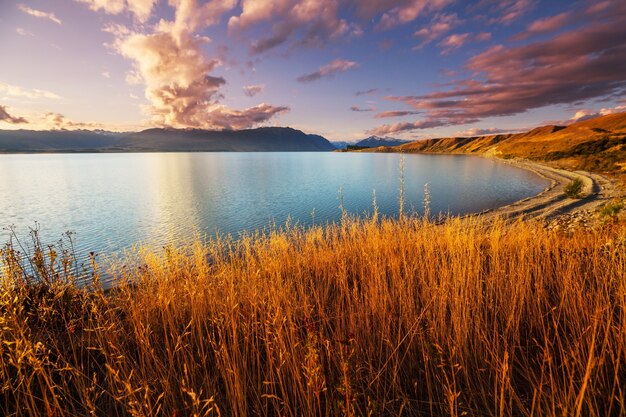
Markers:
574,189
611,210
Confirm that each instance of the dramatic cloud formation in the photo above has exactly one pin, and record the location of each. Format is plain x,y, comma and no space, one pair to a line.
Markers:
338,65
578,65
7,90
140,8
395,113
6,117
253,90
176,73
316,21
39,13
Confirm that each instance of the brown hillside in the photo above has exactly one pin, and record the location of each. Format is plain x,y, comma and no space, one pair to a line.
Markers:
597,144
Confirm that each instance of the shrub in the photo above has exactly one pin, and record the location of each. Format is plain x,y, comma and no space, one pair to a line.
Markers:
574,188
611,210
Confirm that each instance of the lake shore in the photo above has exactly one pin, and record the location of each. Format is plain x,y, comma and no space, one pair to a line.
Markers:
553,202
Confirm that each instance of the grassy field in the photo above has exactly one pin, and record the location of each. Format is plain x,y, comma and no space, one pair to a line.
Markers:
367,317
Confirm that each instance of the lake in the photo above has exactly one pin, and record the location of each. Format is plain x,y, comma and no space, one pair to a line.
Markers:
114,201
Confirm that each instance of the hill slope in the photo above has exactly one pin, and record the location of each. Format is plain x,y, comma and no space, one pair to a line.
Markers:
263,139
594,144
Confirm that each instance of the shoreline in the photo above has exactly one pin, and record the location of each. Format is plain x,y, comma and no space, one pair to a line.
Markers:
553,202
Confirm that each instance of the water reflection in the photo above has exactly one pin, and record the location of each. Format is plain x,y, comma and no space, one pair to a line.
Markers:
113,201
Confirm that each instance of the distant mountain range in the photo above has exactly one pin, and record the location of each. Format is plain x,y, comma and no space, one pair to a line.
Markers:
371,142
264,139
597,144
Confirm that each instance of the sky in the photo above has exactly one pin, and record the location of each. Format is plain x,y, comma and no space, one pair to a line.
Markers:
345,69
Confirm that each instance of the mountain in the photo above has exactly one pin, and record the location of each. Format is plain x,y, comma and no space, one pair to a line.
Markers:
263,139
597,144
376,141
56,140
342,144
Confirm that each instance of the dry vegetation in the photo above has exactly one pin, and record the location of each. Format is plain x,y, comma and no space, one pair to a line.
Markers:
366,317
597,144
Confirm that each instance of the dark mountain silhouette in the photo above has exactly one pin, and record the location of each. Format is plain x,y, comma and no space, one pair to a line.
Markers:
262,139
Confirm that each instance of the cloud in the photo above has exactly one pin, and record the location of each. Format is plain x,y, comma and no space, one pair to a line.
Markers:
366,92
338,65
53,120
14,91
141,9
475,131
6,117
24,32
395,113
546,25
106,74
178,80
361,109
585,114
223,117
507,11
404,127
578,65
314,22
440,25
39,13
253,90
406,12
455,41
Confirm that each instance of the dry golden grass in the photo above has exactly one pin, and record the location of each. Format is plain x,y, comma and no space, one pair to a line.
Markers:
367,317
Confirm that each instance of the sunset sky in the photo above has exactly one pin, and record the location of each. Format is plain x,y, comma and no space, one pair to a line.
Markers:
341,68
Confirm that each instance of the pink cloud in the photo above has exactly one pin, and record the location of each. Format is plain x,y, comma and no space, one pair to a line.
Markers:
457,40
509,10
441,24
546,25
38,13
171,63
338,65
404,127
578,65
297,22
476,131
141,9
395,113
406,12
315,21
8,118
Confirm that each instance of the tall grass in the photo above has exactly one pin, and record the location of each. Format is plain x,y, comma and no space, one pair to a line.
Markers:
366,317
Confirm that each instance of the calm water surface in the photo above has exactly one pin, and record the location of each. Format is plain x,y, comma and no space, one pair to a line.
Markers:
113,201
